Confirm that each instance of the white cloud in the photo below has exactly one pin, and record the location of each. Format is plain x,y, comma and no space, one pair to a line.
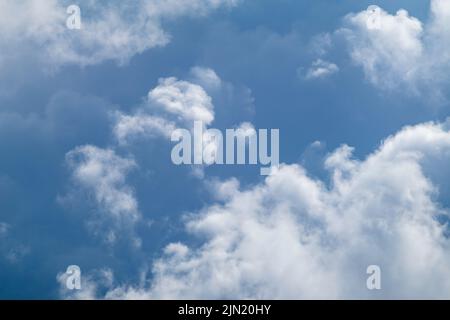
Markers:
102,174
206,77
321,69
140,124
109,31
173,103
400,51
245,129
388,47
293,236
223,190
188,102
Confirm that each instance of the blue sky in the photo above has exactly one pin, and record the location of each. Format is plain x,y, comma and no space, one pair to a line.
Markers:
140,227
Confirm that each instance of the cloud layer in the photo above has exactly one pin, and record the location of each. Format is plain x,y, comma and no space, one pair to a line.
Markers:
293,236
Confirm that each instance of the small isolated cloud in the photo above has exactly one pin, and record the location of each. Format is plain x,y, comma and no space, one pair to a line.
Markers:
293,236
321,69
101,173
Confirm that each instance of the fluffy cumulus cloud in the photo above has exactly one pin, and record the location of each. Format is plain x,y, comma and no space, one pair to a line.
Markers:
398,50
293,236
171,104
178,104
109,31
186,101
101,174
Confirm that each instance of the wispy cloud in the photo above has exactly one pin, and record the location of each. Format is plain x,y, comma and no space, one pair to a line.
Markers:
110,31
102,174
321,69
